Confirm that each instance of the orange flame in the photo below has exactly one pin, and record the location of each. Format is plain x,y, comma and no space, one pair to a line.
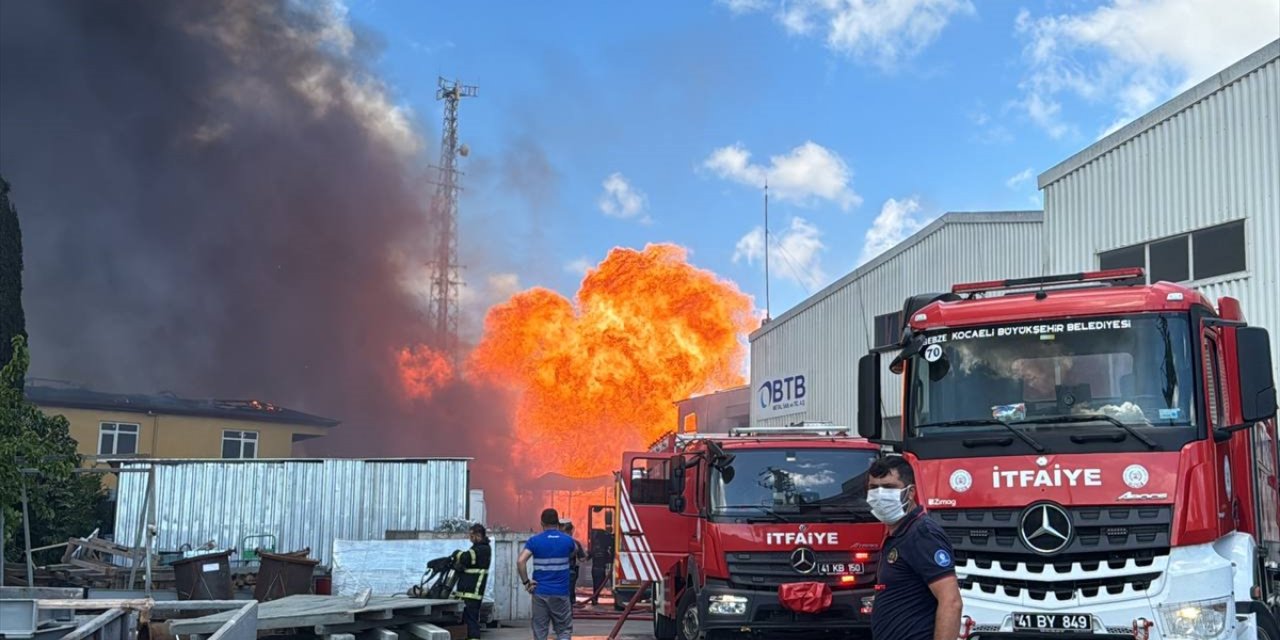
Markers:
422,371
600,375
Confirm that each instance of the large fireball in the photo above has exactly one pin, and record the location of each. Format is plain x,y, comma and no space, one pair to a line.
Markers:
600,375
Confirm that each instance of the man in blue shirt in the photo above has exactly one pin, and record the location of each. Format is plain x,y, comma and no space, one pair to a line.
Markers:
918,597
550,551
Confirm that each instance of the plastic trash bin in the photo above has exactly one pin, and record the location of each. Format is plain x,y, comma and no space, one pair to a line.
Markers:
204,577
284,574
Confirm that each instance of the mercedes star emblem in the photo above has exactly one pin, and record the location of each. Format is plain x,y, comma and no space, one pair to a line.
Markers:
803,560
1045,528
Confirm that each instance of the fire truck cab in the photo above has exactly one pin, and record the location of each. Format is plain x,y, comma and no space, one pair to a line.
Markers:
718,524
1101,454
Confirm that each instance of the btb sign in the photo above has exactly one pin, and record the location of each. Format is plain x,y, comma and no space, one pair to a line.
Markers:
782,396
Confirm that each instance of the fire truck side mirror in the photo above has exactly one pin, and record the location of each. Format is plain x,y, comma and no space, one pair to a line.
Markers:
675,484
869,424
1257,377
675,504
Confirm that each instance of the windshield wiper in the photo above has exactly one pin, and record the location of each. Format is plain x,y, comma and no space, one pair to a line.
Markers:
1094,417
982,422
761,508
843,513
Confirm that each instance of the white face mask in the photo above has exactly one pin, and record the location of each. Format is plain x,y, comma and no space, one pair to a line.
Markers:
887,505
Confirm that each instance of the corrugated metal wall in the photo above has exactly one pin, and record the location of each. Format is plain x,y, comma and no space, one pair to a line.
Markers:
1215,161
827,338
304,503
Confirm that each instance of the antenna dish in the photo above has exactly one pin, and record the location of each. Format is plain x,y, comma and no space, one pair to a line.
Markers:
464,150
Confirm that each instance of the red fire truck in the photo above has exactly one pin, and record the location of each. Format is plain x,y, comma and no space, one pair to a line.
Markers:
721,525
1101,454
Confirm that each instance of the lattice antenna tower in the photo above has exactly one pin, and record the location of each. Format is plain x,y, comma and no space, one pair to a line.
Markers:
445,280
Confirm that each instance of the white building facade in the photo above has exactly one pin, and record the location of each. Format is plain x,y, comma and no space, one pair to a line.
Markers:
1190,192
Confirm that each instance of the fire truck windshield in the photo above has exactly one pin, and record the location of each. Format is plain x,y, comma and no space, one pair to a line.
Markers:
1130,371
793,485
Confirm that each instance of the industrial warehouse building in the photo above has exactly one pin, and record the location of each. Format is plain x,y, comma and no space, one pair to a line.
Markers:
1190,192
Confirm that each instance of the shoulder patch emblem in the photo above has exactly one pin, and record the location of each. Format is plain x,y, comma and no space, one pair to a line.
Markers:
893,556
942,558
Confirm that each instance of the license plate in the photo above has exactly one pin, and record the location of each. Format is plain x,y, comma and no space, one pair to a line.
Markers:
1052,622
836,568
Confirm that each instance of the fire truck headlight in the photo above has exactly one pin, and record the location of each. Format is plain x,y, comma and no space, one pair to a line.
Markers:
1199,620
727,605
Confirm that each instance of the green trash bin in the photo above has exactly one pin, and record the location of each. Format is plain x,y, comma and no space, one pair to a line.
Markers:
204,577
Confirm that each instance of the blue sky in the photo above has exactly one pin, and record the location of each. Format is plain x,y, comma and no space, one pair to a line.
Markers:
603,124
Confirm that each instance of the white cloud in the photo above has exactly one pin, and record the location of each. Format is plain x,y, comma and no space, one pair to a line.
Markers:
579,266
793,255
882,32
744,6
1016,180
807,173
1135,53
621,200
897,221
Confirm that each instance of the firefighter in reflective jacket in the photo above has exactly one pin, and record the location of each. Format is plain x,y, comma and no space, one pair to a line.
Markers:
473,568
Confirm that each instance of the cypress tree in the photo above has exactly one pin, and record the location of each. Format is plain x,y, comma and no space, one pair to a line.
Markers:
13,321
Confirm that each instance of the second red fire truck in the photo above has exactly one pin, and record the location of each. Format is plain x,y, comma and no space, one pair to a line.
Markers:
1102,456
722,526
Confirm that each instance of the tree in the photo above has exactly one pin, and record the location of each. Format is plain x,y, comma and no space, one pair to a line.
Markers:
12,319
37,449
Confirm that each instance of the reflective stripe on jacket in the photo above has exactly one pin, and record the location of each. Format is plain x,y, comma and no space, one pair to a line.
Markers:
473,564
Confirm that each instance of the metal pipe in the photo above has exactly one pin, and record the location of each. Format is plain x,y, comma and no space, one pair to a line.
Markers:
151,522
26,533
631,605
138,540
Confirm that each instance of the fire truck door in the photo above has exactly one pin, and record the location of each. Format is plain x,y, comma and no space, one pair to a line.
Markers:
653,538
1218,410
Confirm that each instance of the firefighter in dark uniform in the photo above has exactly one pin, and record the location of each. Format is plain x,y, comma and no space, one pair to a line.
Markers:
601,552
473,567
918,597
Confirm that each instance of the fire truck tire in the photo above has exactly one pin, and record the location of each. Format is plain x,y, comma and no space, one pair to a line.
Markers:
664,628
688,627
1267,625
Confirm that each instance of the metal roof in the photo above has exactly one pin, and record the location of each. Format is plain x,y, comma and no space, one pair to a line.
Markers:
953,217
1166,111
168,404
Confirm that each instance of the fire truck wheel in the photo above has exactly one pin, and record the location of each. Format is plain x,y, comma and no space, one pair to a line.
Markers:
1267,626
664,628
688,627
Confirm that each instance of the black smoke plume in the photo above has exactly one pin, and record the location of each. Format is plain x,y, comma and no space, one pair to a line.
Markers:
221,199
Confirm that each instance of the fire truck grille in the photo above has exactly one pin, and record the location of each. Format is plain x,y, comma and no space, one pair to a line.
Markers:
1059,590
770,569
1098,532
1109,552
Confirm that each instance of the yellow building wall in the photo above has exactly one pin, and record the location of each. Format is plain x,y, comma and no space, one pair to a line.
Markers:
179,436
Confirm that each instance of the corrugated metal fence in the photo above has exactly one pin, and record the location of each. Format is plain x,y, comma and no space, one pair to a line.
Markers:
303,503
389,567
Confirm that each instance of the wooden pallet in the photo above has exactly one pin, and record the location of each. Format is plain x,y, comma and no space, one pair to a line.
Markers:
330,615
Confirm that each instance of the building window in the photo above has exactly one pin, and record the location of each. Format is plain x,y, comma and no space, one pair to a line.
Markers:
239,444
1169,260
1206,253
888,329
1218,250
1126,257
117,438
